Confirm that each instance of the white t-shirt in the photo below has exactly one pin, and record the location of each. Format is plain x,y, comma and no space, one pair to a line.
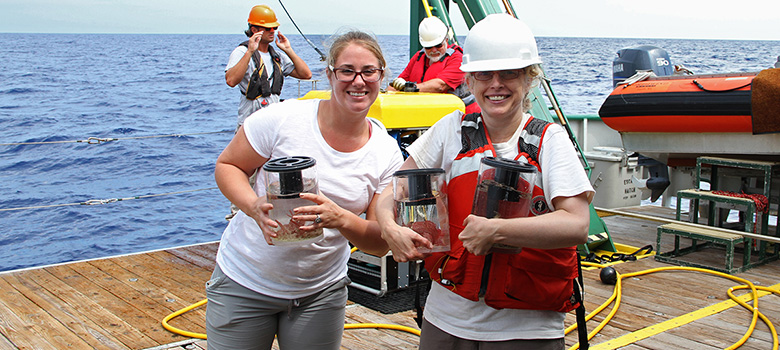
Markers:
246,106
351,179
562,175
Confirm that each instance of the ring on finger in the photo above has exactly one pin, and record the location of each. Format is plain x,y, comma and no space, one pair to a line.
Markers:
317,219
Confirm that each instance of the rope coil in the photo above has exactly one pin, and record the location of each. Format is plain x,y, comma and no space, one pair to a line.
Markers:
762,203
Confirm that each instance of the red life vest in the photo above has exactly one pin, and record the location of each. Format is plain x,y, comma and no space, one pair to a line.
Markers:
419,73
534,279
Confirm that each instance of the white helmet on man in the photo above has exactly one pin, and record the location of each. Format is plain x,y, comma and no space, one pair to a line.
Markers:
432,31
499,42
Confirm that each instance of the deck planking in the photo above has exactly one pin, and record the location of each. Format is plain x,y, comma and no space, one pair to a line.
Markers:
119,302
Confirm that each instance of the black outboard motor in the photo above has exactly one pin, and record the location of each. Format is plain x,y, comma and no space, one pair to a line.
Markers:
630,61
637,58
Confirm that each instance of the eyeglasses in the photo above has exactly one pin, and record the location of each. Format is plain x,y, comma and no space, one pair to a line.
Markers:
502,74
348,75
267,28
435,46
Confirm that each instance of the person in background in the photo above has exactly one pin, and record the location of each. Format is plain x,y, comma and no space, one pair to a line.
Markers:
491,300
435,68
298,293
257,68
248,67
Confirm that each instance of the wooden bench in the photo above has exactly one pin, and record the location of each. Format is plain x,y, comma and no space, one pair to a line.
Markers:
697,233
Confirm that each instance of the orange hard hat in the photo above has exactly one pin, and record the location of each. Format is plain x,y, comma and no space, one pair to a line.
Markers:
262,15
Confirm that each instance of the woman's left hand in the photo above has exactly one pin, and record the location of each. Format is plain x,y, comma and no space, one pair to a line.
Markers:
477,235
325,214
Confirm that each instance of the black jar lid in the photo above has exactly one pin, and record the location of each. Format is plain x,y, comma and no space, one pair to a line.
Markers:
423,171
284,164
509,164
507,171
290,172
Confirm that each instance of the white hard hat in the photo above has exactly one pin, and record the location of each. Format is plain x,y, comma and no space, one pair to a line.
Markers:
432,31
499,42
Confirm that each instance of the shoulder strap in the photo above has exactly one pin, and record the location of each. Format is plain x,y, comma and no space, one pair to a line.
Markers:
456,47
535,127
471,134
277,75
258,83
420,54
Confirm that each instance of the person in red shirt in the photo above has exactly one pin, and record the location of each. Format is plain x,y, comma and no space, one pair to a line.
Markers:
435,68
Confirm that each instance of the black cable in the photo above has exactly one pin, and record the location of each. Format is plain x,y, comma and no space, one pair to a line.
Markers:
323,57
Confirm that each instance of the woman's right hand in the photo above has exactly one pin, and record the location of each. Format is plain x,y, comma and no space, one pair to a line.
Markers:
403,242
259,212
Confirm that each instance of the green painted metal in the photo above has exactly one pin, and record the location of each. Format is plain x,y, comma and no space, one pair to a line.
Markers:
726,240
765,172
583,117
439,8
472,11
598,236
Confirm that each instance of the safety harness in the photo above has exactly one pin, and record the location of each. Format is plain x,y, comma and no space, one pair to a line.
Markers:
608,258
258,82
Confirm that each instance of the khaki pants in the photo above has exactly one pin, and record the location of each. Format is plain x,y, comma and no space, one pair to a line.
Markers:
239,318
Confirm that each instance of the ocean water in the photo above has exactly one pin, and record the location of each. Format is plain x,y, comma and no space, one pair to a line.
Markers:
163,103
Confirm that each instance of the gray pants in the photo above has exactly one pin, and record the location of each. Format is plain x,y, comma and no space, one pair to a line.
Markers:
239,318
433,338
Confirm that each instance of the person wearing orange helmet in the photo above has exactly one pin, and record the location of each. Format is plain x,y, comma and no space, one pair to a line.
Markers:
257,68
248,64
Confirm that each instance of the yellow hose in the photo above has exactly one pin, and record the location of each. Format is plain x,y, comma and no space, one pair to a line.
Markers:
382,326
173,329
617,296
180,312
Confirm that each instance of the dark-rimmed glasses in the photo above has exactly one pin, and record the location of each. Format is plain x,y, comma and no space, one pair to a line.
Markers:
435,46
502,74
348,75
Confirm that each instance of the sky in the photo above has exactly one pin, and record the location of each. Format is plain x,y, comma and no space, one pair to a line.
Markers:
684,19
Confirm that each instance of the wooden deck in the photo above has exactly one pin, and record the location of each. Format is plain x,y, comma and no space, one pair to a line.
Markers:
118,303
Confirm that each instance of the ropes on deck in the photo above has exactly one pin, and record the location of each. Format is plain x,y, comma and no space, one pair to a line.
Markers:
106,201
762,204
97,140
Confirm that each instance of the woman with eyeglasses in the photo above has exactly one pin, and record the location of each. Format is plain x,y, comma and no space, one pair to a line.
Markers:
298,293
483,299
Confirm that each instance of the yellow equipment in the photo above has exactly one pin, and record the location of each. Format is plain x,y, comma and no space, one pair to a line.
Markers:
406,110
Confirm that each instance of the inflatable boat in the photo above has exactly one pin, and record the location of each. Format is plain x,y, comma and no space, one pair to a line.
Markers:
665,113
672,104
